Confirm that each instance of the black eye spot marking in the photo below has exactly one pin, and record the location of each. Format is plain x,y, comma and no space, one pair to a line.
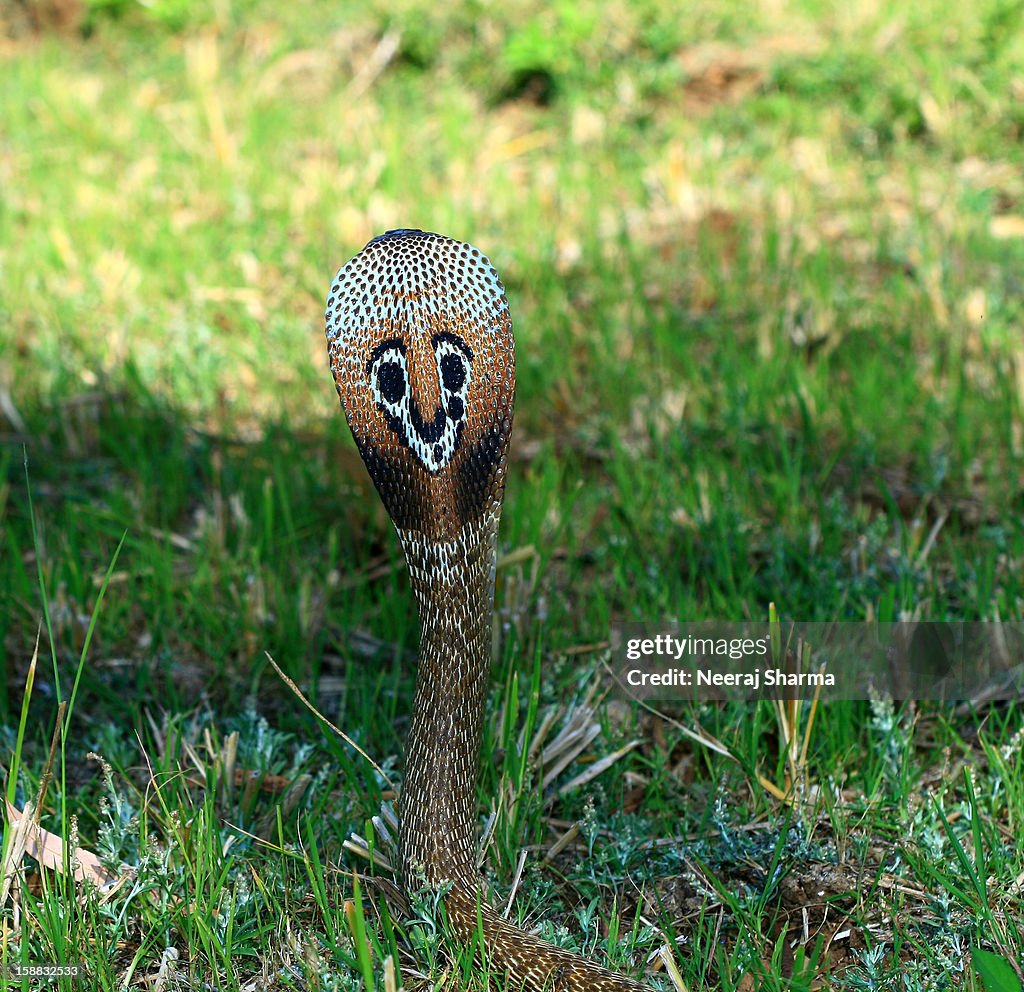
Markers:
453,372
391,381
454,360
432,438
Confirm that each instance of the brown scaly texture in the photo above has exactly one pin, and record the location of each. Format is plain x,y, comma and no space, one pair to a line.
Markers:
421,349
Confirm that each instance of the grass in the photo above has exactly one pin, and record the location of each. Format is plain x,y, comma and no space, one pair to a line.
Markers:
763,266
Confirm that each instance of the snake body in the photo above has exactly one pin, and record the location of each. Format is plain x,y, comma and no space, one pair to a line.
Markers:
421,349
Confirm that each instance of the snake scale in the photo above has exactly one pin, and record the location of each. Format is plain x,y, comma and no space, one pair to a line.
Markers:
421,349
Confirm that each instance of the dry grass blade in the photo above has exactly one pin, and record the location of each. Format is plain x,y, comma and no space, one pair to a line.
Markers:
391,975
19,838
345,737
795,789
540,735
577,733
700,735
10,411
378,61
166,975
48,849
384,852
358,846
599,766
667,959
563,842
517,878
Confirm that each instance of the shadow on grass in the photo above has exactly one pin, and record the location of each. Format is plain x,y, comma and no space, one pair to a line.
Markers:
233,546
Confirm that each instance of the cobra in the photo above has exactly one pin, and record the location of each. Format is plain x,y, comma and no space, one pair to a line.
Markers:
421,349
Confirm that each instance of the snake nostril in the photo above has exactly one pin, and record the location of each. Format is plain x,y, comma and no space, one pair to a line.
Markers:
391,381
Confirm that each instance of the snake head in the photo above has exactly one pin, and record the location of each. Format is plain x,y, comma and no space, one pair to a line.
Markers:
421,349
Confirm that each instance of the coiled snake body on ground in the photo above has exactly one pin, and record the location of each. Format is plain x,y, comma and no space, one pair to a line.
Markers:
421,348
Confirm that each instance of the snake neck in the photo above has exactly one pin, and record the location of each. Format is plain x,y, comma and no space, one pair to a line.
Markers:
453,582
